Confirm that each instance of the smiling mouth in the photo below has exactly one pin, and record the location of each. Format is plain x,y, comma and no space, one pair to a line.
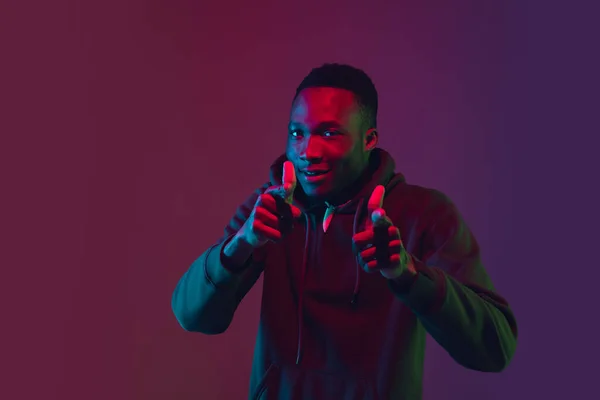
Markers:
315,173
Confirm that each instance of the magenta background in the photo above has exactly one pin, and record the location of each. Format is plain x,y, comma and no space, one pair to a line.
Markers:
132,129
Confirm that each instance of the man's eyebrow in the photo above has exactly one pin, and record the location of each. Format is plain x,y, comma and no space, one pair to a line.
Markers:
321,126
328,124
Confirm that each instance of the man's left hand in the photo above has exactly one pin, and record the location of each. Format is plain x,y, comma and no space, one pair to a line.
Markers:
380,246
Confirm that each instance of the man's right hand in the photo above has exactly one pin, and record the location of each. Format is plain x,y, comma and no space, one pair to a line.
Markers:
273,213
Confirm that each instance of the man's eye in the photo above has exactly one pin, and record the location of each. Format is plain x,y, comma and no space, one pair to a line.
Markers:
330,133
296,133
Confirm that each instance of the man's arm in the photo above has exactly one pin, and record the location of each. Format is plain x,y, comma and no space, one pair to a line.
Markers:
454,298
207,295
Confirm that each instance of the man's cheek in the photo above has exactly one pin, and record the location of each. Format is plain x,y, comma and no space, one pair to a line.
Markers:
290,153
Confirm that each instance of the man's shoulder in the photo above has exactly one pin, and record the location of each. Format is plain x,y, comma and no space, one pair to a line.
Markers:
417,199
417,193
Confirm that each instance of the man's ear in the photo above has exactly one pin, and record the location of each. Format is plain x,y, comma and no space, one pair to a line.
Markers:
371,138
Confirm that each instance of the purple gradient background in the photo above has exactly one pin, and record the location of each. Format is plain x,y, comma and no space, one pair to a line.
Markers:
132,129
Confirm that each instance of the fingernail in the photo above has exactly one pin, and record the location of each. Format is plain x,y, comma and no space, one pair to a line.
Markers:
377,214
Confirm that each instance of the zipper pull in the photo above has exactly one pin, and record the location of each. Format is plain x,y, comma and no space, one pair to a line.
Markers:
328,217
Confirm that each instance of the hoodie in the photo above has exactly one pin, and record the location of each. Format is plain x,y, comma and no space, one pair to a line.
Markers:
330,330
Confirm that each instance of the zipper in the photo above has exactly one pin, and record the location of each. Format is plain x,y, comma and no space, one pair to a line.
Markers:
308,247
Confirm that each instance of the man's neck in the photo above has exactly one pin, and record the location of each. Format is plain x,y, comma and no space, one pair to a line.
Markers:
351,191
348,193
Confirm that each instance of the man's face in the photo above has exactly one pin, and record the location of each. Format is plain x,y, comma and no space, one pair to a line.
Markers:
326,141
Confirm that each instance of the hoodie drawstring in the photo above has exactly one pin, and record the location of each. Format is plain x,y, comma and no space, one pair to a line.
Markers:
301,289
357,263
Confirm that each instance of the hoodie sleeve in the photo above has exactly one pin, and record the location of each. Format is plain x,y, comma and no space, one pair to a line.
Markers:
210,291
454,298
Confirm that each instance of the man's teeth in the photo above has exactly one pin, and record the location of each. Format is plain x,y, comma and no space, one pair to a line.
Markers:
314,173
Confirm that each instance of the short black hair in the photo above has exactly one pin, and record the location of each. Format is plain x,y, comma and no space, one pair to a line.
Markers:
347,77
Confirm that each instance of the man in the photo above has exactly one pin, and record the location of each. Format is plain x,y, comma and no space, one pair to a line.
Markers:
358,264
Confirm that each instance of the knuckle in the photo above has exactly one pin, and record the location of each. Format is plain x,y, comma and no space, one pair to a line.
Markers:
257,213
255,224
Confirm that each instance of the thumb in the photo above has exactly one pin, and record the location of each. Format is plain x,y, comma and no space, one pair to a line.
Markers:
289,181
376,200
374,204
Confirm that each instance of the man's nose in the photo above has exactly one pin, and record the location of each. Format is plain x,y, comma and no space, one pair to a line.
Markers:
311,150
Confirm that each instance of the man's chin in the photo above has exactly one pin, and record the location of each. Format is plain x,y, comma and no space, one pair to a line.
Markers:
317,193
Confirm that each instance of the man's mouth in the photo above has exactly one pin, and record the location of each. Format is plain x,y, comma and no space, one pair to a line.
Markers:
315,176
315,172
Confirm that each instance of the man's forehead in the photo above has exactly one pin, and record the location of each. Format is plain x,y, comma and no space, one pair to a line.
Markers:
325,96
321,102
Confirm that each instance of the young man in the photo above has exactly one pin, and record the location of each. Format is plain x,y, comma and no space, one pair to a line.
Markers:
358,264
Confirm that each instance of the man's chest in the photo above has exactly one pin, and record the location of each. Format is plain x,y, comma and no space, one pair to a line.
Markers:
323,265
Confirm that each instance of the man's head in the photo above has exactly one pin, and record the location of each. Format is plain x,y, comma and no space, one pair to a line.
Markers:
332,129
